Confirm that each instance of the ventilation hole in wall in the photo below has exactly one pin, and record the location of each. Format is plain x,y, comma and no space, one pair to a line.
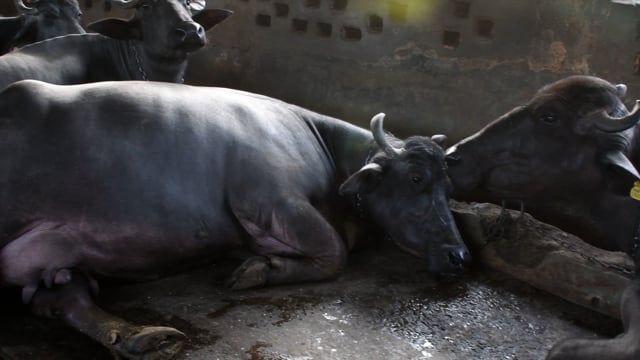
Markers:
339,4
375,24
636,64
451,38
299,25
312,3
398,11
263,20
88,4
484,28
324,29
351,33
282,10
461,9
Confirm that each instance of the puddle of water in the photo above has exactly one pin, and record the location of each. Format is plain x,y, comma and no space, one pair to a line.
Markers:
289,307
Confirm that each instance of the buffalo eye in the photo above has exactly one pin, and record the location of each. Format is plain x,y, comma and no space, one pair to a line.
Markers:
416,179
549,118
145,6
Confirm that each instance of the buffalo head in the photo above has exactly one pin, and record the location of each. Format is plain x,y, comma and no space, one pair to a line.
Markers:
166,27
561,152
404,189
39,20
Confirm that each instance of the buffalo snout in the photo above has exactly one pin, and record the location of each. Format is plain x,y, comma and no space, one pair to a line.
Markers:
457,260
190,35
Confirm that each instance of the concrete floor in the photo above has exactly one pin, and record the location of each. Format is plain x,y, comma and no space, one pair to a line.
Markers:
385,306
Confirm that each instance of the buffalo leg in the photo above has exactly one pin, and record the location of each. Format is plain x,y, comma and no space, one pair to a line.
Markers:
73,304
294,243
624,347
40,261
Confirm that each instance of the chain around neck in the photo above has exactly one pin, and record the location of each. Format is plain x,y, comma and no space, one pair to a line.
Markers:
139,63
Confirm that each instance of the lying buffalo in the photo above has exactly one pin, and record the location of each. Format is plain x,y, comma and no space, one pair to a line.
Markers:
43,19
570,154
152,45
136,179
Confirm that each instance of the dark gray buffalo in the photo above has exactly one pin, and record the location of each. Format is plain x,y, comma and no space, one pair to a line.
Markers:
136,179
43,19
153,45
570,154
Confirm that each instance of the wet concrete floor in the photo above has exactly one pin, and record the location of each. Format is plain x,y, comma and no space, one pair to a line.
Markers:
384,306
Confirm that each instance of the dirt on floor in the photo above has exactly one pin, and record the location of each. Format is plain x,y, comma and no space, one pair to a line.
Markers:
384,306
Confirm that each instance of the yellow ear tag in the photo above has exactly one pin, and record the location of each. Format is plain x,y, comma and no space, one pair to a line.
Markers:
635,191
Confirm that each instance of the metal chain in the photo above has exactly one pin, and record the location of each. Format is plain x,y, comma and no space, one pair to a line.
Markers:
139,63
358,206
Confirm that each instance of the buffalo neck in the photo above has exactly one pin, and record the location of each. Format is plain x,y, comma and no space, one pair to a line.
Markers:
155,68
83,58
130,61
349,147
609,221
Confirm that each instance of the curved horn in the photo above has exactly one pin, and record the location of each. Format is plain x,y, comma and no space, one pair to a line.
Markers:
125,3
380,138
24,9
610,124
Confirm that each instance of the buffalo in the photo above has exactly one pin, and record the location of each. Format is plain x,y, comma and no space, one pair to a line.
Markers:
42,20
153,45
132,180
570,154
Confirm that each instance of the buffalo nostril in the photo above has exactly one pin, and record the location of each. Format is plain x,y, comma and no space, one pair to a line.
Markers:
459,258
190,31
181,34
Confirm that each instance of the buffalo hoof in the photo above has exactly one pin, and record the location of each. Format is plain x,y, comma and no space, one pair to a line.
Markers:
149,343
252,273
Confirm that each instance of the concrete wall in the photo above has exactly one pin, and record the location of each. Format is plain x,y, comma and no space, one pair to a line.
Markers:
434,66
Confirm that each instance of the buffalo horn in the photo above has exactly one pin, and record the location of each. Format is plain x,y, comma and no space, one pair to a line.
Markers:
380,138
125,3
610,124
24,9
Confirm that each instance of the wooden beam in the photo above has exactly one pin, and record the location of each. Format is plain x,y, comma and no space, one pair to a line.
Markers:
544,256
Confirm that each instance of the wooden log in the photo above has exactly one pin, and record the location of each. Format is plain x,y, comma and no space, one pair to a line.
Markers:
544,256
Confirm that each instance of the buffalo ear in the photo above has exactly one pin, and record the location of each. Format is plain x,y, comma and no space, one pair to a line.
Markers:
12,28
440,139
623,171
620,161
116,28
211,17
363,181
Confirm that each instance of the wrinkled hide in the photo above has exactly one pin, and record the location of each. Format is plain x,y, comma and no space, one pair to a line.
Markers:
135,179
